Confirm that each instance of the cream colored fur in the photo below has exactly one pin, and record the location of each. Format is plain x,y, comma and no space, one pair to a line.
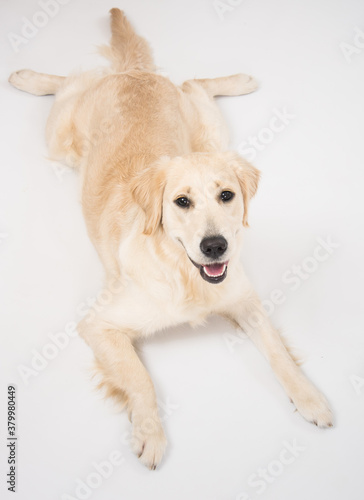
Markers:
140,143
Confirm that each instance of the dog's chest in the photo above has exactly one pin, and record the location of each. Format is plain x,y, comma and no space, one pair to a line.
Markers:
146,311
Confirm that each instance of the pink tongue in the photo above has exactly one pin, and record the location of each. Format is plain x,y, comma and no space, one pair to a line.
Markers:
214,269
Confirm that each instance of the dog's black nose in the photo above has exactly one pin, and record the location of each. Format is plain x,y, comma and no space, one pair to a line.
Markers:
213,247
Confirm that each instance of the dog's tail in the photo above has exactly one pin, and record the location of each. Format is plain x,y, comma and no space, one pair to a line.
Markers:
127,50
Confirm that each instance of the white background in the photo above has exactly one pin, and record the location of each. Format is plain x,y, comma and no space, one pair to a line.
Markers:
227,418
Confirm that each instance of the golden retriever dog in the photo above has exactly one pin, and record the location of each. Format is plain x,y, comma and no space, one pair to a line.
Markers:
165,205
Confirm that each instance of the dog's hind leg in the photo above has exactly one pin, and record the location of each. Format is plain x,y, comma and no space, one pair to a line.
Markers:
208,129
36,83
239,84
127,51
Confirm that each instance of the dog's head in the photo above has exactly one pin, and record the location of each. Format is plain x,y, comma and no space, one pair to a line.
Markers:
201,200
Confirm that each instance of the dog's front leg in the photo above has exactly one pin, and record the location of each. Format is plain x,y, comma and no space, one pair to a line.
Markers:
250,316
123,371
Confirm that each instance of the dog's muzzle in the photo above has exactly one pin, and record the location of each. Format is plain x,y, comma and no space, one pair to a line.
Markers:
214,248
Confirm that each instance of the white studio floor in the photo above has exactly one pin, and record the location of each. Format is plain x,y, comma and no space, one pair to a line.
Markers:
233,434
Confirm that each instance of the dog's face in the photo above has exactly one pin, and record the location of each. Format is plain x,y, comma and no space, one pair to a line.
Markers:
203,200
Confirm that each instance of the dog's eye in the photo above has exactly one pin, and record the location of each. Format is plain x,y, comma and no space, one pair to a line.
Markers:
227,195
182,202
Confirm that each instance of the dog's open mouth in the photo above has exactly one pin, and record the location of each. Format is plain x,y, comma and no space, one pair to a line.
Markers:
213,273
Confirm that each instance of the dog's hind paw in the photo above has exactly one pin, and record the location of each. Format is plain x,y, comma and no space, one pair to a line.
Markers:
22,79
246,83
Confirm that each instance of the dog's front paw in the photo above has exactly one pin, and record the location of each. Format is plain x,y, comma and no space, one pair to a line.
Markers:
148,441
313,406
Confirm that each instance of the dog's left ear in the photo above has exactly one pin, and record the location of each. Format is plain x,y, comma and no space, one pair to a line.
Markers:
147,188
248,177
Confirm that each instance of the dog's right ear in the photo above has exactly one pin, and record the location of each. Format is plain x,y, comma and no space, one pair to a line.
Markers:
248,177
147,189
